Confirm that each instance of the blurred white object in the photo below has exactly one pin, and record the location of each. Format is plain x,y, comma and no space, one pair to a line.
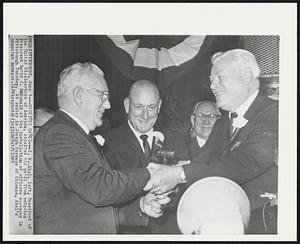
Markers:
213,205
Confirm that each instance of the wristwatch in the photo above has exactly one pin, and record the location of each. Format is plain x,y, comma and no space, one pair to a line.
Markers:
182,175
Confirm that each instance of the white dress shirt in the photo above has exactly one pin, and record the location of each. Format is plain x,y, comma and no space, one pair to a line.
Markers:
200,141
242,109
138,134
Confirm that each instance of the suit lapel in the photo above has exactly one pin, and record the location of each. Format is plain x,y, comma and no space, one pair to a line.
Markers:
258,102
133,141
70,121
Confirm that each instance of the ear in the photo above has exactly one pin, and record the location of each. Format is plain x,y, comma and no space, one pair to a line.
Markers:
77,96
192,120
159,104
126,105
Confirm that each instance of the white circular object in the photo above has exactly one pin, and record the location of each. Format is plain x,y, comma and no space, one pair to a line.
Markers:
213,205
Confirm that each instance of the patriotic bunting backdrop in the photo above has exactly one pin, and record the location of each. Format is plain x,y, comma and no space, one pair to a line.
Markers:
161,59
179,65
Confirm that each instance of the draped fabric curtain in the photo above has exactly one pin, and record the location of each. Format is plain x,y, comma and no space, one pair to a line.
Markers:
179,65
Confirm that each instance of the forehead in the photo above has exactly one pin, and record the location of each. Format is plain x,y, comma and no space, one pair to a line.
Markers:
225,66
144,95
95,80
206,108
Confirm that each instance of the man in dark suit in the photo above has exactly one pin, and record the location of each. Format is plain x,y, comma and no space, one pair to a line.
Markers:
129,145
244,150
75,190
203,118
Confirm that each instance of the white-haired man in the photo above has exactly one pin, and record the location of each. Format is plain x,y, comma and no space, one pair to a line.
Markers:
75,191
242,148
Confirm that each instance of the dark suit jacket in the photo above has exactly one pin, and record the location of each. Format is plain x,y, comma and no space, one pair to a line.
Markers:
123,151
193,146
248,158
74,187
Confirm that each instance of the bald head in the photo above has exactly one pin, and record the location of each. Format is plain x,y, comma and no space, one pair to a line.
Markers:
142,105
143,86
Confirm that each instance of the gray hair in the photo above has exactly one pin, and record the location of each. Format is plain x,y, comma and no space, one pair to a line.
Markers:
206,102
74,75
241,56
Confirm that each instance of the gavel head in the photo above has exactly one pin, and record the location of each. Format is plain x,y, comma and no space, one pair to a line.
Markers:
213,205
165,154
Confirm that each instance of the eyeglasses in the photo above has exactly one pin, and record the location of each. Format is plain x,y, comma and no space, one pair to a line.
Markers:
104,94
202,116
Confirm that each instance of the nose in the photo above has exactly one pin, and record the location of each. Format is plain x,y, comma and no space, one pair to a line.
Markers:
206,121
213,84
106,104
145,114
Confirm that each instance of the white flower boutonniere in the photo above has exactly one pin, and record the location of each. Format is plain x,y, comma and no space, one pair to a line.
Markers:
100,140
239,122
158,136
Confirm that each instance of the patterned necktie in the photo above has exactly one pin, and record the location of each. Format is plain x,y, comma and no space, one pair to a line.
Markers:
146,146
231,130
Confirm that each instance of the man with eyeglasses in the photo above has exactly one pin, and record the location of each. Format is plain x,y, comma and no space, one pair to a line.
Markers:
75,190
243,143
203,118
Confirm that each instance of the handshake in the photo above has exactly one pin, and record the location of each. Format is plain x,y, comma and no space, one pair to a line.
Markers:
163,180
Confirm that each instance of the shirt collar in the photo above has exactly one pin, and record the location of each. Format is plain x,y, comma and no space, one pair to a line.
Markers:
78,121
242,109
200,141
138,134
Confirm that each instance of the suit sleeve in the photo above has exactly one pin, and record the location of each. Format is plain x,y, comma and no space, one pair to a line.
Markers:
130,214
110,153
251,158
74,160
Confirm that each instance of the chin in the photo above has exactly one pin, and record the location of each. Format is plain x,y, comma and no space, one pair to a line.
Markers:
143,130
99,123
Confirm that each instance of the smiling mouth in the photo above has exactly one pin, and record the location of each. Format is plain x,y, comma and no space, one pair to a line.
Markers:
217,93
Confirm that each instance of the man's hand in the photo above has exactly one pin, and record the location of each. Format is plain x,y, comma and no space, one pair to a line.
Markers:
183,162
153,167
164,179
151,204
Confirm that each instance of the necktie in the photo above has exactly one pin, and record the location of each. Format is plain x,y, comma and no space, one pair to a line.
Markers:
231,130
146,146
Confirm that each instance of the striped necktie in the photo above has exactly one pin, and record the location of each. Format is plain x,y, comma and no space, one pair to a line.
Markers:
146,146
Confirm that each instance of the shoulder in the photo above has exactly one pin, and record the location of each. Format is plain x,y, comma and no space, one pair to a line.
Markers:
268,111
58,129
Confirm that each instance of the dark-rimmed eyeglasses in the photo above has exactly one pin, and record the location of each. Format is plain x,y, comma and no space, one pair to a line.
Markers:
104,94
202,116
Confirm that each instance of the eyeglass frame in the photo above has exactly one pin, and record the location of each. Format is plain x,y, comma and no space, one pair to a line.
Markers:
104,94
202,116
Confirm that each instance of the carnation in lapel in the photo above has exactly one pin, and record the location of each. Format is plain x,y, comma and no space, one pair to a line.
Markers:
100,140
239,122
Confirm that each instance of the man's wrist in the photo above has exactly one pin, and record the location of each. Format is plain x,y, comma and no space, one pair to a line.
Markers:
182,175
142,213
141,210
